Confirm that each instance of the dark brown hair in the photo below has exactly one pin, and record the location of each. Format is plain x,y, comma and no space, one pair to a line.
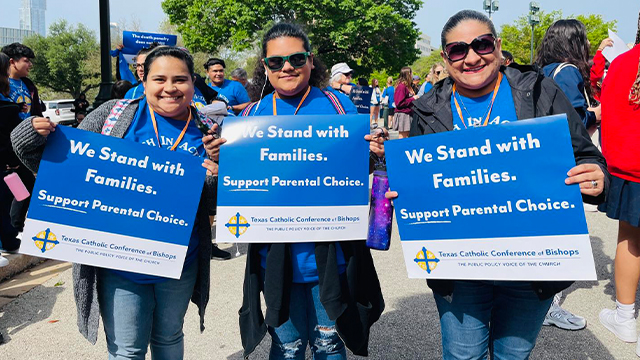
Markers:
634,95
4,77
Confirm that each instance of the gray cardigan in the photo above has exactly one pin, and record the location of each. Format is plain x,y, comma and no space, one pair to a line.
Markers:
29,145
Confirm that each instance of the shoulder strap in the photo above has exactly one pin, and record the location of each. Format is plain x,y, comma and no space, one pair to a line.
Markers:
116,111
248,109
560,67
335,102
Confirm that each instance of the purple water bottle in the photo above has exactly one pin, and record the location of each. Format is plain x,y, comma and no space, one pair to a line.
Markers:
380,210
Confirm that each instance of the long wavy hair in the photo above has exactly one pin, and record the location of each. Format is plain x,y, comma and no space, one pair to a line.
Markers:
566,42
406,79
319,77
634,95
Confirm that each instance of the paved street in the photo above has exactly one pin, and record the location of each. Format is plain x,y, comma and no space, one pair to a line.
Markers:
41,324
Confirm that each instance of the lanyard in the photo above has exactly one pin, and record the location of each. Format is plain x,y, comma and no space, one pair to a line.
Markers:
495,93
275,94
155,127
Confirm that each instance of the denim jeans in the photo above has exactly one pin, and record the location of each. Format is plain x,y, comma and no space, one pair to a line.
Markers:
308,324
138,315
502,318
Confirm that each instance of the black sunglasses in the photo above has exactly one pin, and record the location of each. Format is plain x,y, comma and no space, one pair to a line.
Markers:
482,45
297,60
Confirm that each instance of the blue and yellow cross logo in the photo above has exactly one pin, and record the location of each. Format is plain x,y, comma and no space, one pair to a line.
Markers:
237,225
45,240
426,260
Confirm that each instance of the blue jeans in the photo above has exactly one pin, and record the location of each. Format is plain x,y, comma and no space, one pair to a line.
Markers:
138,315
502,318
308,324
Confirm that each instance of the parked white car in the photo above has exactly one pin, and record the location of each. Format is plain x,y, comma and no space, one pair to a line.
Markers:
59,111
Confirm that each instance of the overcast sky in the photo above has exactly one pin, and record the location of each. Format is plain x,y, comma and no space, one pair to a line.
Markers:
430,18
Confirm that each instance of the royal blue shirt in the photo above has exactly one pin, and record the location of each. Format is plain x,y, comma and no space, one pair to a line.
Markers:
303,255
232,92
474,110
425,88
19,93
390,91
141,131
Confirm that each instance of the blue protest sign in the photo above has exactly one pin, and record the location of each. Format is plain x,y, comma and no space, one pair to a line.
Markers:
293,179
361,98
134,41
491,203
113,203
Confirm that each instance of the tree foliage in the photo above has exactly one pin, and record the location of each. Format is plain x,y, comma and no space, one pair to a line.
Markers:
65,60
367,34
516,38
423,65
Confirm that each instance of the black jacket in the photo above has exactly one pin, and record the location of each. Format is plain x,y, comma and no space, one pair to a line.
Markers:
353,300
9,119
533,96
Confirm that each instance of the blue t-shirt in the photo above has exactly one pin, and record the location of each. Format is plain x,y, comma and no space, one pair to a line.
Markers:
425,88
474,110
135,92
390,91
232,92
141,131
19,93
303,255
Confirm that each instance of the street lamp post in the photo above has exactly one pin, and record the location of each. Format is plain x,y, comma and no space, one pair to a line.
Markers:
491,6
534,20
105,58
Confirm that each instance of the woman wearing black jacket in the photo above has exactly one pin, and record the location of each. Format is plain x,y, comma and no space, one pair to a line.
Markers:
479,318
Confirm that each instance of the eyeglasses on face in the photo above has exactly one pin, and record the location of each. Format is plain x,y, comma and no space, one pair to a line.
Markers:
136,65
482,45
297,60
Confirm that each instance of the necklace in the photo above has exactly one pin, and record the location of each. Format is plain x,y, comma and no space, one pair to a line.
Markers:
495,93
304,97
467,111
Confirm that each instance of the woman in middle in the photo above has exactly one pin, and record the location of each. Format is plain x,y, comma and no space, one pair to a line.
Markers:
325,294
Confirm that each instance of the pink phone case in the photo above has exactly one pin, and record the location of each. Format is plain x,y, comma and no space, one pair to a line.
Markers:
16,186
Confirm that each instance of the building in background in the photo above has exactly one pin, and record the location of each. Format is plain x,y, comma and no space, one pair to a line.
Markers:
10,35
32,16
424,45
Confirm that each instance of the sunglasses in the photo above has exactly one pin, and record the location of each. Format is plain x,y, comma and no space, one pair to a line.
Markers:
482,45
297,60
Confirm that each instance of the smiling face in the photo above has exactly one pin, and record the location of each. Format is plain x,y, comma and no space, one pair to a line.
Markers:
216,74
475,75
169,87
289,81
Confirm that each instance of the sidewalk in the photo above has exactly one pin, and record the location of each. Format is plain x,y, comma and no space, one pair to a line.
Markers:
41,324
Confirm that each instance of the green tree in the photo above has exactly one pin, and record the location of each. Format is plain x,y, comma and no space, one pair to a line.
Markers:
367,34
516,37
65,60
423,65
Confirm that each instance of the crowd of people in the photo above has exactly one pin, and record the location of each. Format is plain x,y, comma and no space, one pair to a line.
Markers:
327,295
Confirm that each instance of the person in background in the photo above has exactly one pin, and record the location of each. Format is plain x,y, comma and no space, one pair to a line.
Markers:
341,75
24,93
388,103
240,75
81,104
436,74
376,98
403,97
142,311
416,83
507,58
620,138
324,295
231,91
597,70
120,88
138,65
